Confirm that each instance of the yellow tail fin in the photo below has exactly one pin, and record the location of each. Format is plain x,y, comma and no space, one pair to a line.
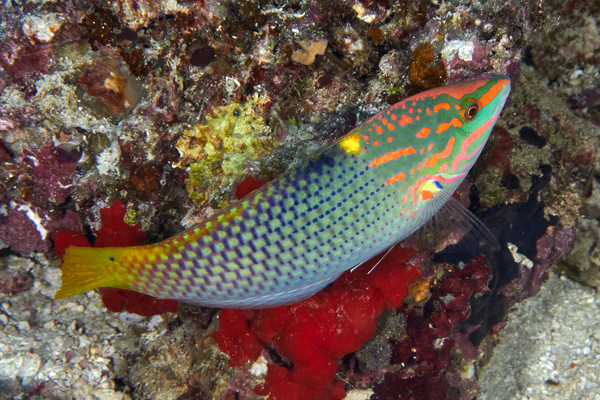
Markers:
83,269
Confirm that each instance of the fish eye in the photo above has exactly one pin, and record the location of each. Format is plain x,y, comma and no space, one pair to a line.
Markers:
471,112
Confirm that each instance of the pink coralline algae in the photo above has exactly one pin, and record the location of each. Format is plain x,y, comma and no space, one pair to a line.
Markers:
19,230
549,248
26,228
33,204
52,172
21,61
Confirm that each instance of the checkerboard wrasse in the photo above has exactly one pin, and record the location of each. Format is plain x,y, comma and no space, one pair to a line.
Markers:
289,239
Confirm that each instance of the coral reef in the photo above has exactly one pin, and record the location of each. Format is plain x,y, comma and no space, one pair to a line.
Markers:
155,111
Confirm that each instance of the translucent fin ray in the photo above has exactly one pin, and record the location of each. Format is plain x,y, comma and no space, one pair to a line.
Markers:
453,229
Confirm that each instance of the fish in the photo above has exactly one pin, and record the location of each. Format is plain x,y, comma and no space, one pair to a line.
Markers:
372,188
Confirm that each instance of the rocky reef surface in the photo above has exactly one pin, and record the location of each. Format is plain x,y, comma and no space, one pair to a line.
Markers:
136,119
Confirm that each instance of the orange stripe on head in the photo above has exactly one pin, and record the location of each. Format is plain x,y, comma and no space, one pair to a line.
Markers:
442,154
470,139
445,125
471,162
457,90
492,93
439,106
424,132
392,155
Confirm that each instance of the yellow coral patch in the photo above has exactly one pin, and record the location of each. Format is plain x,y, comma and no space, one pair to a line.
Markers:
216,151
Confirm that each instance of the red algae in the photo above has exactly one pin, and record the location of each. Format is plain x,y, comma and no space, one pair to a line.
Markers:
316,333
117,300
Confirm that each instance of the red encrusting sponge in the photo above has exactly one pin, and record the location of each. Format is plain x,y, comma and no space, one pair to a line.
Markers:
316,333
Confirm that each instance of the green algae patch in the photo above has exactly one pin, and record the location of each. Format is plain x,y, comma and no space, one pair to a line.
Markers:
216,152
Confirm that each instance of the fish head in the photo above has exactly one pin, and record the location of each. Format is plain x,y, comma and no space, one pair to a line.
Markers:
424,146
478,112
462,118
